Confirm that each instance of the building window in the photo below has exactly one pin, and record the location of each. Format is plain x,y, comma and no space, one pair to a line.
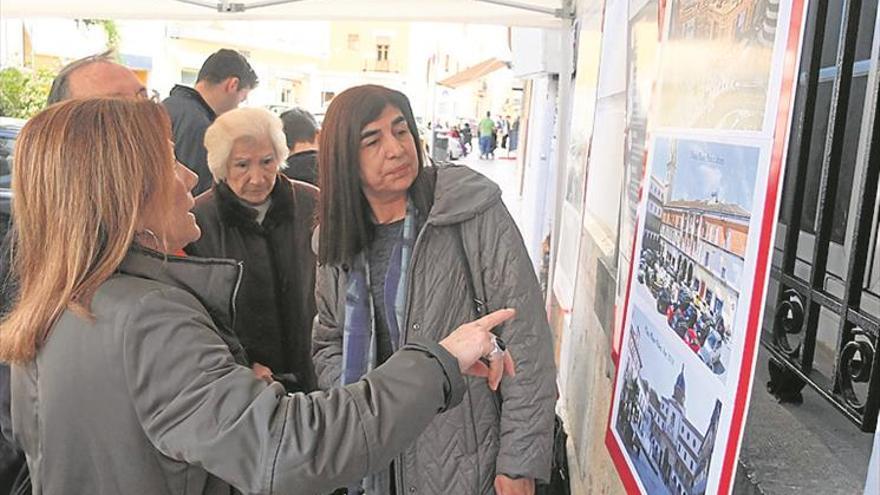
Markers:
326,97
382,52
188,76
354,41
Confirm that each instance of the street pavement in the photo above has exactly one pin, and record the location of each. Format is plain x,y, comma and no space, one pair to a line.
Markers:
503,172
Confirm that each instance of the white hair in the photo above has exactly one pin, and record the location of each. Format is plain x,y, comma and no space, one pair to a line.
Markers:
242,123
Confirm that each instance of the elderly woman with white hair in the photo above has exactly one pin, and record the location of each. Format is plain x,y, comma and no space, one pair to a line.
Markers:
256,215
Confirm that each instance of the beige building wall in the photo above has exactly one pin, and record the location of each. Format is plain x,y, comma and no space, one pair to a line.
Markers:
368,47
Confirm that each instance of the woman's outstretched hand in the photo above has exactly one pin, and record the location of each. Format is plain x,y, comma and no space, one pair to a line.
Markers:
475,340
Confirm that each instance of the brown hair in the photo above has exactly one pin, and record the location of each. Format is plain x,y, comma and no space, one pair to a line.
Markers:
344,212
83,174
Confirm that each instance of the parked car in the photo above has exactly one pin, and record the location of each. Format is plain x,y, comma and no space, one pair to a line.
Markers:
454,149
9,129
278,109
710,352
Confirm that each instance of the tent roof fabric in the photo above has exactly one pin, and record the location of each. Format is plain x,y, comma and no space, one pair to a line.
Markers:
458,11
473,73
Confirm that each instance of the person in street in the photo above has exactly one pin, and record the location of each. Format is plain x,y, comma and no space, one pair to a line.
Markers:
466,138
301,131
256,215
486,129
121,381
514,135
397,241
223,82
94,75
504,130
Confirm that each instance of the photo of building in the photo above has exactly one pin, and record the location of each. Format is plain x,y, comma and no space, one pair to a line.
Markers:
727,89
669,450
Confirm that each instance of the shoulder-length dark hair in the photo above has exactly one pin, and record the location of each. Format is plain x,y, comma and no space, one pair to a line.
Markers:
344,214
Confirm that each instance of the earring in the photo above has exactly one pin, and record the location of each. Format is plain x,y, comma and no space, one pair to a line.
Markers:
147,235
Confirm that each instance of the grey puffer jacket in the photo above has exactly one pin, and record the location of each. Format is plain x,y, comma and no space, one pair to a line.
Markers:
508,432
146,399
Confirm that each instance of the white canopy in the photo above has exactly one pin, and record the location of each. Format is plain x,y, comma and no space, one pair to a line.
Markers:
536,13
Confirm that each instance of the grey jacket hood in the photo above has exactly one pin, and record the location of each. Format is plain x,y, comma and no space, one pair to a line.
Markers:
213,282
461,194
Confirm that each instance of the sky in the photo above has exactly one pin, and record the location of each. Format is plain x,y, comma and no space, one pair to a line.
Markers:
705,168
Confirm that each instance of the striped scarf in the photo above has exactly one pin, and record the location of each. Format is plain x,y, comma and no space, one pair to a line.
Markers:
359,336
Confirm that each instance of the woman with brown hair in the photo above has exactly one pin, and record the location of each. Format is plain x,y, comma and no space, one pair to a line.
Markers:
405,253
122,382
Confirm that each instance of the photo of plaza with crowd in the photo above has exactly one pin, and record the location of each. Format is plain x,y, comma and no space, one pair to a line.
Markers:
694,243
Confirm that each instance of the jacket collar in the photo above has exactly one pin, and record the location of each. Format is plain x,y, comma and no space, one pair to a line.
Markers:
233,212
190,93
213,281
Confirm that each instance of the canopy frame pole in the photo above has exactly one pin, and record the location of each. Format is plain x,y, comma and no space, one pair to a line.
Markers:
566,12
226,6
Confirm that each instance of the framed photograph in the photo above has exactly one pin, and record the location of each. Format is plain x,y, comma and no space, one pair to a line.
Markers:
704,228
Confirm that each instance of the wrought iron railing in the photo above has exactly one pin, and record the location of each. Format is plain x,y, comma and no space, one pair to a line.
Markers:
825,312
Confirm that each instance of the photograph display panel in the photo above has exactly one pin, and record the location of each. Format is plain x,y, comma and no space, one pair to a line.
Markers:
584,87
716,139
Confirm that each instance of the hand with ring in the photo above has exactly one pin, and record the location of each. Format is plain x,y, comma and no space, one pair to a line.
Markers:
479,352
497,352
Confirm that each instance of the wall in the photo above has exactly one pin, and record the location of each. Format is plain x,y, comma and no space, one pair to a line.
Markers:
787,449
613,167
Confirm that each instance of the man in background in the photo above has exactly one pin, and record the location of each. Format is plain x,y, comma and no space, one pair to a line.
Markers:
302,132
223,82
486,129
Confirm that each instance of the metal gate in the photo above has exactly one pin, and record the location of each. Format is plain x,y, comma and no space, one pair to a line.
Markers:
824,307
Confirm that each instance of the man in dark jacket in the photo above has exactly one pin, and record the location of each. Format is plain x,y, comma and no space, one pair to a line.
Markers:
224,81
301,132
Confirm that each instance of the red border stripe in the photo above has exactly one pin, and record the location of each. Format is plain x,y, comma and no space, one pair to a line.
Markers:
770,210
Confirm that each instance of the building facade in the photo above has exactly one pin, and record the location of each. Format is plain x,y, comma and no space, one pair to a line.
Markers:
657,429
705,243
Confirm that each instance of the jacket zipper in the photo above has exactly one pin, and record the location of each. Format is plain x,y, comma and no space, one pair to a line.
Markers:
240,272
409,282
398,461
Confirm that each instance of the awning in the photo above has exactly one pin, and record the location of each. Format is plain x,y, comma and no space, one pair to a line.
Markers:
458,11
473,73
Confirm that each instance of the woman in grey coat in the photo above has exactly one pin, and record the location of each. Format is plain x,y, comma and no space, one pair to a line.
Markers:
398,245
123,380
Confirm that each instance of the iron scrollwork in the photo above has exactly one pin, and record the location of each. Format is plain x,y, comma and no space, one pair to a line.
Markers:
789,320
856,362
